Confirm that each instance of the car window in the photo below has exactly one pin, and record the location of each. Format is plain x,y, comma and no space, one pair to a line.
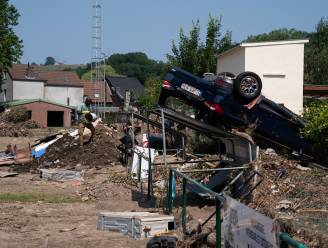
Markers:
180,106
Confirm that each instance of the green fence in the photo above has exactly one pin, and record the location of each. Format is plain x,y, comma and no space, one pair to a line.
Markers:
285,240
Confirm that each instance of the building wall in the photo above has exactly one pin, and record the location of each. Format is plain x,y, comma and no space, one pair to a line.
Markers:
281,70
233,61
40,109
28,90
7,89
61,94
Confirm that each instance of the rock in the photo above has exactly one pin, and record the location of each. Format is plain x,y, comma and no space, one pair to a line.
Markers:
300,167
211,240
85,198
270,151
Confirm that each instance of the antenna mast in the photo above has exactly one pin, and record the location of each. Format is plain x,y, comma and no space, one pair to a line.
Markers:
96,52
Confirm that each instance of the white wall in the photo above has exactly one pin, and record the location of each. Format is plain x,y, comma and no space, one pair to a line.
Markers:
281,70
60,94
233,61
28,90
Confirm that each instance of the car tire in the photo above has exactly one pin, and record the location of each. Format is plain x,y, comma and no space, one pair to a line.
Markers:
247,86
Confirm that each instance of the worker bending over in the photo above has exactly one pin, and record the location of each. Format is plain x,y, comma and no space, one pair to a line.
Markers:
87,123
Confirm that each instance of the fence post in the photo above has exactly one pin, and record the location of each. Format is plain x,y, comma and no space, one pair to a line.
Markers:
286,240
184,203
139,167
218,223
150,182
170,193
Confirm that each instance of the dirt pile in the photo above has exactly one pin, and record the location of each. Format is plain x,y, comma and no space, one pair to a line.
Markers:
66,152
15,123
296,196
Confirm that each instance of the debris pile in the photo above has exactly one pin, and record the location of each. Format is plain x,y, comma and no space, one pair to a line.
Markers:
294,195
66,152
15,123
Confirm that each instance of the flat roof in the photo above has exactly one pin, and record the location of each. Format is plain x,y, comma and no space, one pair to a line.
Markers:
263,43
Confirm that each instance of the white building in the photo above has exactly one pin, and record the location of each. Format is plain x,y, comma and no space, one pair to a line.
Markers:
23,82
280,64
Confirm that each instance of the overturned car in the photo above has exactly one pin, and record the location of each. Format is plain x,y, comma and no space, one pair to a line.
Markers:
235,102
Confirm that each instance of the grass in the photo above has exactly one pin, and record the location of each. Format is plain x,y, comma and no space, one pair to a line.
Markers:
37,197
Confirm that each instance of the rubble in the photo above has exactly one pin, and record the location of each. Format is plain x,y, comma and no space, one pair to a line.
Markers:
66,152
289,193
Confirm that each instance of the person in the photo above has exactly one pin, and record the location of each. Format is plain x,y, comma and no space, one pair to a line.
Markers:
87,123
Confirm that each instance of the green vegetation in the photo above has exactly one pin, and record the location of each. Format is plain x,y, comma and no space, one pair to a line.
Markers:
198,57
136,64
152,91
37,197
316,51
10,45
50,61
15,115
109,71
316,128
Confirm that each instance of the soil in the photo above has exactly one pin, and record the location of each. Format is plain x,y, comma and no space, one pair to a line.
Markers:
49,224
66,153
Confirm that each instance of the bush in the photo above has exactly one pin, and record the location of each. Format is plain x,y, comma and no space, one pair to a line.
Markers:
316,123
16,115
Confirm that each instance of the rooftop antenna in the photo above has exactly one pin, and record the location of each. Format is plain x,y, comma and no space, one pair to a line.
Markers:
96,52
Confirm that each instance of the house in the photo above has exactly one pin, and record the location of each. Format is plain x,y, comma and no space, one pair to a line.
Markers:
119,85
26,82
96,93
45,113
280,65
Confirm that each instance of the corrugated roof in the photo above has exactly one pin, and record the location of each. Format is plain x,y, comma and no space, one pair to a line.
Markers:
51,78
14,103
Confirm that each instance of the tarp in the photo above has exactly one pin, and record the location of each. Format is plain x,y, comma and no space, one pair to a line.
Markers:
144,162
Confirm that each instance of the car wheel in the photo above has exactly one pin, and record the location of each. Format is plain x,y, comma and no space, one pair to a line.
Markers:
247,86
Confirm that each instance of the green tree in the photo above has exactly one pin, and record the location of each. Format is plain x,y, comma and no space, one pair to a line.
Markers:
10,45
135,64
316,54
50,61
196,56
152,90
278,34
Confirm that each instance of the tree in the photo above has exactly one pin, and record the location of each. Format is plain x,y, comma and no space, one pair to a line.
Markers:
135,64
198,57
10,45
152,90
278,34
50,61
316,54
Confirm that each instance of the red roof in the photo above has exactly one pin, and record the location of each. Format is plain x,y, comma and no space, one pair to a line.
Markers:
90,88
51,78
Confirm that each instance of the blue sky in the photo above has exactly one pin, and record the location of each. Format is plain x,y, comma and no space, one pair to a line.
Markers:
62,28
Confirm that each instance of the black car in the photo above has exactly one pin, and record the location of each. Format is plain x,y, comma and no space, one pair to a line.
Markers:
231,102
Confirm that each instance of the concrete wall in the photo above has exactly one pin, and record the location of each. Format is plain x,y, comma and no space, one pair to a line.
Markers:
232,61
40,112
60,94
281,70
28,90
7,89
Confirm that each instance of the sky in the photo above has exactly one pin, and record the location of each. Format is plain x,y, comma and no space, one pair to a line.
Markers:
63,28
